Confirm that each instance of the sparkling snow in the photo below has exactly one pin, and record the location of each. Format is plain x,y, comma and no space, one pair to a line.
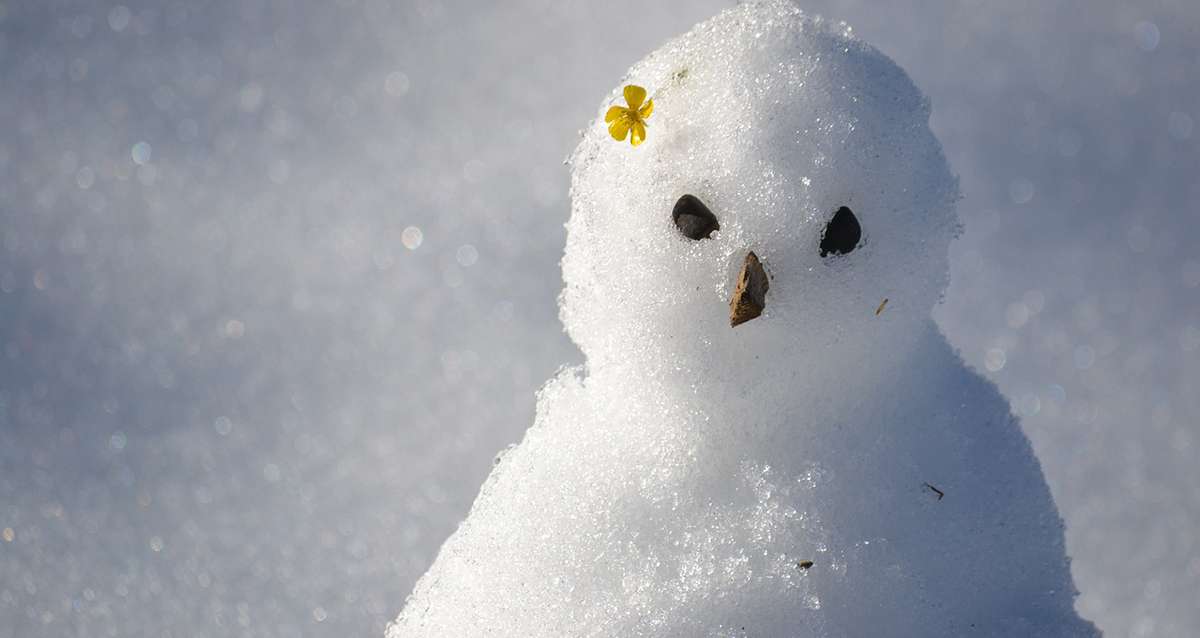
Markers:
261,349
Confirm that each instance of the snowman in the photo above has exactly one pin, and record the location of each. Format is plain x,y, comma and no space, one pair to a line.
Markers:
770,437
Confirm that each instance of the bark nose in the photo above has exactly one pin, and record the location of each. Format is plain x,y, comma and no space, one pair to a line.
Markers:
750,295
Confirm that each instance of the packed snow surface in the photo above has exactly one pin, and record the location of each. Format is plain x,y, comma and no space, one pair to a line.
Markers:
830,468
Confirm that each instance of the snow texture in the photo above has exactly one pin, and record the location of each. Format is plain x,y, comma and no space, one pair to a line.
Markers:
822,470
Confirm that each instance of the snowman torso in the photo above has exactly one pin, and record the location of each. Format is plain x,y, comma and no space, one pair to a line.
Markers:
910,515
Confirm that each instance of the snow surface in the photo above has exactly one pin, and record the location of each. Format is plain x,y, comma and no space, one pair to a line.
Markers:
823,470
241,394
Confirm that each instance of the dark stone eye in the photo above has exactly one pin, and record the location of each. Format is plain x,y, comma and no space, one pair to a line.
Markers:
693,218
842,234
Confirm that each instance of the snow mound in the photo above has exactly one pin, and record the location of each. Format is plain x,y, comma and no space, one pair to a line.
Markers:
828,468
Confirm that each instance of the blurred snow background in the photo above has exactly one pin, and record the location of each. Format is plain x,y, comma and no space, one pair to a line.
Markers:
278,280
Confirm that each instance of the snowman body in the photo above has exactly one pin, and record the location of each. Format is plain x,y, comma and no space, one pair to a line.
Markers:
827,468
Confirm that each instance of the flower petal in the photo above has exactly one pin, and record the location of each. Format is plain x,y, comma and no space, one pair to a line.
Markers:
614,113
639,133
619,128
634,96
646,109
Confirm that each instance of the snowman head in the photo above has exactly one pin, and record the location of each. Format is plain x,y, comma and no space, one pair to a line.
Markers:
787,169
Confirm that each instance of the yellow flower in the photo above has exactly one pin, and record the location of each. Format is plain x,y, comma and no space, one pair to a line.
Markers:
621,120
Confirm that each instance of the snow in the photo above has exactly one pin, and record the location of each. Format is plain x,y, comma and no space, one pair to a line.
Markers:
681,482
248,388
